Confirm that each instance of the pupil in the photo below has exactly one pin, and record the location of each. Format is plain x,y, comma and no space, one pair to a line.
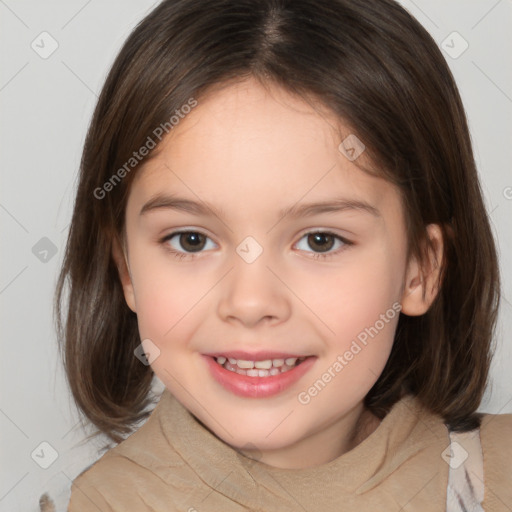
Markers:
319,239
191,241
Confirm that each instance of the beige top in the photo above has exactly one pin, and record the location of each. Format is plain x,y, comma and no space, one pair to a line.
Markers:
173,463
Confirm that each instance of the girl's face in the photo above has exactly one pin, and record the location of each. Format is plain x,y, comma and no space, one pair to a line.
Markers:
248,177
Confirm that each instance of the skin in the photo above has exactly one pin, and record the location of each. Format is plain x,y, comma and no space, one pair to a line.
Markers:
250,151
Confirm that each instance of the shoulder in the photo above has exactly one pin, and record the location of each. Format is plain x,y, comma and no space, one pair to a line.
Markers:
105,485
142,473
496,439
118,483
112,482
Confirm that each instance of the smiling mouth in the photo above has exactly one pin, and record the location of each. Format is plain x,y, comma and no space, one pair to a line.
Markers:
265,368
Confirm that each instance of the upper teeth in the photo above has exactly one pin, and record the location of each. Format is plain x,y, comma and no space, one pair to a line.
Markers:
263,365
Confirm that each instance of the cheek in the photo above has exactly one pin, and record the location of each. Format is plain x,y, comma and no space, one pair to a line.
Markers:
353,296
359,310
370,314
166,295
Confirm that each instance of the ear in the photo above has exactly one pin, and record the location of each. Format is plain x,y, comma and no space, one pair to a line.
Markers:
120,260
422,278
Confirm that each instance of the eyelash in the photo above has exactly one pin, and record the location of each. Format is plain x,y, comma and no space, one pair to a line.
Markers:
316,255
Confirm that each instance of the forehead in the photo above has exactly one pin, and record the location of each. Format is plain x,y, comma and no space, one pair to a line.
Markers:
246,145
244,118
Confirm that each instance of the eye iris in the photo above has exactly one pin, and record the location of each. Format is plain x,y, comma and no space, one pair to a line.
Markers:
192,241
319,239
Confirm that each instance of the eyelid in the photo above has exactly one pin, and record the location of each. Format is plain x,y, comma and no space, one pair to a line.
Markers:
186,229
326,231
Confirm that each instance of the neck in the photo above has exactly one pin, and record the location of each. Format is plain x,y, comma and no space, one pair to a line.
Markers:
322,446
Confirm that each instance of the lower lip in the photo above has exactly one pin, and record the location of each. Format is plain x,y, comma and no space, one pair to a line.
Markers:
257,387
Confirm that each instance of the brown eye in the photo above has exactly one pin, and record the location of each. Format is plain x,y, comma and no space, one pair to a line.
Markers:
192,241
321,242
187,242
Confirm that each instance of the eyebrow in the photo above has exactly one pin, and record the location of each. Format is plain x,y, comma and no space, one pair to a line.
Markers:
297,210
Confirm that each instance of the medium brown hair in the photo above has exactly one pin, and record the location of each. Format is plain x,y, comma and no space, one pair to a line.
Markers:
377,69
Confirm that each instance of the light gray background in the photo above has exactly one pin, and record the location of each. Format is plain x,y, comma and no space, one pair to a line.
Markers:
46,106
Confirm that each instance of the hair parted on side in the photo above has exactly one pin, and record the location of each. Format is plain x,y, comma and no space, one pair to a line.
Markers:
377,69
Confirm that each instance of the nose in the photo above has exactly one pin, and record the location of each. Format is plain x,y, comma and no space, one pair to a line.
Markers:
252,294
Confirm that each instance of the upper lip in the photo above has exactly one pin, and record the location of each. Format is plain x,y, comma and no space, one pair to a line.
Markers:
261,355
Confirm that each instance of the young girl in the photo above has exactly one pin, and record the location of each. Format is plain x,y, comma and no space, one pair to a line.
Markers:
279,217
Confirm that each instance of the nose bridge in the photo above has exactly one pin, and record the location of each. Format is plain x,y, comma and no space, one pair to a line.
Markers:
251,291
